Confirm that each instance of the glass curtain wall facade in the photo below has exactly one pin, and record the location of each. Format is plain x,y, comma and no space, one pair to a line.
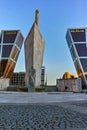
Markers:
77,43
18,79
10,45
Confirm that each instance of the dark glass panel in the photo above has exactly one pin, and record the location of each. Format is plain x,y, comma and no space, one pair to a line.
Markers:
86,76
78,68
69,41
9,69
6,50
81,49
9,36
0,37
19,40
84,64
15,53
73,53
43,71
78,35
0,49
3,64
42,77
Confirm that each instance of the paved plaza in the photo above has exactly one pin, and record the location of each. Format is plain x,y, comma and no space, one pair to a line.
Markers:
43,111
21,97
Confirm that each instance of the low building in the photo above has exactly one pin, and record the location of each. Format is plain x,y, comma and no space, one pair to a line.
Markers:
18,79
69,85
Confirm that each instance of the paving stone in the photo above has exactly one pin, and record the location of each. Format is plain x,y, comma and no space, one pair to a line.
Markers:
40,116
43,116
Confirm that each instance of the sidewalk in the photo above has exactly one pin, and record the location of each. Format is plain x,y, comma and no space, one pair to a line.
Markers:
43,111
21,97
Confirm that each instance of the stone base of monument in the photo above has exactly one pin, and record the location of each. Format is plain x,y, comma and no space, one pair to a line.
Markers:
31,89
42,89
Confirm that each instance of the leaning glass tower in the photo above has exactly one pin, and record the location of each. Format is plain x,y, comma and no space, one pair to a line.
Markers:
10,45
77,43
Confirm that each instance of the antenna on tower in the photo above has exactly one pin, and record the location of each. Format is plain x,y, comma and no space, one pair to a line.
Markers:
36,17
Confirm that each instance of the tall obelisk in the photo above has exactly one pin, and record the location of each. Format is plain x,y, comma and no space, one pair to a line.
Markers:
34,49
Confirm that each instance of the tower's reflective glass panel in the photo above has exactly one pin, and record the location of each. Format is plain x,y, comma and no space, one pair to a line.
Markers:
10,45
77,43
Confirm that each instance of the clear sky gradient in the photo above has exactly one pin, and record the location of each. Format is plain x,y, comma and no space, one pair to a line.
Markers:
55,16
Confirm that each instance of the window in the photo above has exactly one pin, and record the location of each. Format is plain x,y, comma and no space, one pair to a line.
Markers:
6,50
0,37
0,49
73,53
69,41
9,36
78,69
84,64
81,49
86,76
78,35
42,77
42,72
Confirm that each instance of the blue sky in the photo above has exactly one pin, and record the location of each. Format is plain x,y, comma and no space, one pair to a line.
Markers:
55,16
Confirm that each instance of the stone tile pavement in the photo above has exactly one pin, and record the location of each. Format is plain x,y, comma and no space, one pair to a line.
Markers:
25,111
20,97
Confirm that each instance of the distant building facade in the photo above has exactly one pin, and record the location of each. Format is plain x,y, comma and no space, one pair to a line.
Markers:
43,77
69,85
77,43
18,79
34,49
10,45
